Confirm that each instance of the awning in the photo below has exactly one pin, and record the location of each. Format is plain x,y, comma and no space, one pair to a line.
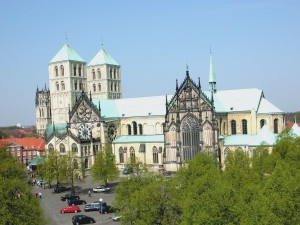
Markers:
36,160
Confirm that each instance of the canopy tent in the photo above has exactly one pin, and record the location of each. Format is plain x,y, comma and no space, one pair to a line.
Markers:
36,161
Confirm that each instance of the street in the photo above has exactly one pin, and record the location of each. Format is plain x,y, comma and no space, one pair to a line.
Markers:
51,202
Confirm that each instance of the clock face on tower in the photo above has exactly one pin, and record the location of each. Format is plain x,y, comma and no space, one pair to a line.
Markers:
85,131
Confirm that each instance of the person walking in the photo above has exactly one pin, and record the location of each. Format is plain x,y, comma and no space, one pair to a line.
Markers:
89,193
36,194
40,194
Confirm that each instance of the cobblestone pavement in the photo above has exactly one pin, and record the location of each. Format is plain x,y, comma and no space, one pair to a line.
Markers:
52,203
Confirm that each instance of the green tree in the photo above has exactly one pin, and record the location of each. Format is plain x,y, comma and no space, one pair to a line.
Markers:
53,168
17,203
104,167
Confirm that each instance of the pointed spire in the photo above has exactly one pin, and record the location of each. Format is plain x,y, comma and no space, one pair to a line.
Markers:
199,84
176,85
187,71
45,87
166,104
295,119
37,88
90,95
212,75
99,106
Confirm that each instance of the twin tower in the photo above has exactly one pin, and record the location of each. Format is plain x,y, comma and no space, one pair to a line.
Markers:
69,76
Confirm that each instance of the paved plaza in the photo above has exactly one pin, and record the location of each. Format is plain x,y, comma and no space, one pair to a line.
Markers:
52,203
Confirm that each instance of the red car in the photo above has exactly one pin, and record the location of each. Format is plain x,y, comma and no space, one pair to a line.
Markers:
70,209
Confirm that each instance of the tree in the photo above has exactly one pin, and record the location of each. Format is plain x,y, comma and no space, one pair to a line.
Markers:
17,203
104,167
53,168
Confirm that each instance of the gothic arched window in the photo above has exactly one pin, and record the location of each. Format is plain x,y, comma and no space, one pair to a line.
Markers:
57,86
276,126
245,127
50,147
155,154
121,155
74,148
262,123
114,73
233,127
81,86
75,85
132,155
190,137
99,73
62,148
110,73
94,87
99,87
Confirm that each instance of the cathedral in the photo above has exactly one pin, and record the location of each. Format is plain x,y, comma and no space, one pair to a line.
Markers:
83,109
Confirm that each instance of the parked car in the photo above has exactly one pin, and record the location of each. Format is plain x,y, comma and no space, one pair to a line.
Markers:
82,219
69,196
76,202
92,207
101,189
61,189
70,209
127,170
103,207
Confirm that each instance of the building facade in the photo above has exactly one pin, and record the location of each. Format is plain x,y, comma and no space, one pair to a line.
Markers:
86,111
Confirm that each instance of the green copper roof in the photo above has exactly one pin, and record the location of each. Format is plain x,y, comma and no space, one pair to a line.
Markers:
140,139
60,128
102,57
265,135
66,53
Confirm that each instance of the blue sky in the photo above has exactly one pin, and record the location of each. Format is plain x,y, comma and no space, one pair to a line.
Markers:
254,44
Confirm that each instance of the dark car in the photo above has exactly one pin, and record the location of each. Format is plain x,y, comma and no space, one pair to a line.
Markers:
69,196
103,207
76,202
61,189
92,207
82,219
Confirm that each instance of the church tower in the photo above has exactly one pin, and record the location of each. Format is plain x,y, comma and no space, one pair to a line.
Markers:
42,110
212,76
104,77
67,79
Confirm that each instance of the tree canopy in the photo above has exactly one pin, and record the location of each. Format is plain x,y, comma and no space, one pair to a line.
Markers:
17,203
261,189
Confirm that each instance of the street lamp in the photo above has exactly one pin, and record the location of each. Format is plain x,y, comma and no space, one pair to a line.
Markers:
101,212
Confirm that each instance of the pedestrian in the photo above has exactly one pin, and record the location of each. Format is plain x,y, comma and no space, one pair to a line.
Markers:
89,193
36,194
40,194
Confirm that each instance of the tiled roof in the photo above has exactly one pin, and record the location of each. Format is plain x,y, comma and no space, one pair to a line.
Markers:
26,143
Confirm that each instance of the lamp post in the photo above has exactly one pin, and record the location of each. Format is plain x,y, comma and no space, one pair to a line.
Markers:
100,199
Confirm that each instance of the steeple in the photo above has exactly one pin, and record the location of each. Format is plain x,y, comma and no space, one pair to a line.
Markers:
212,76
187,71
